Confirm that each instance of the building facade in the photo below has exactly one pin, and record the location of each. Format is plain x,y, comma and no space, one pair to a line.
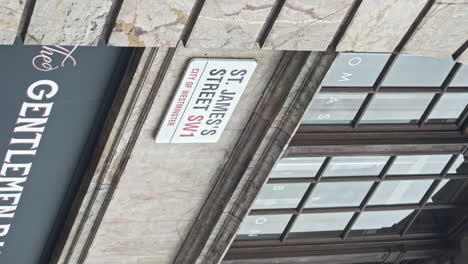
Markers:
251,131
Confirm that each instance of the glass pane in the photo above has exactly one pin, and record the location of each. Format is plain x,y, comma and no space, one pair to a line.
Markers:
385,222
256,227
297,167
286,195
320,225
333,108
335,194
459,167
449,108
461,79
356,166
397,108
400,192
355,69
437,221
446,191
418,71
419,164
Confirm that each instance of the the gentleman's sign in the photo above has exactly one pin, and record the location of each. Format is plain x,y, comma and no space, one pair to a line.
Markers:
30,125
52,103
205,100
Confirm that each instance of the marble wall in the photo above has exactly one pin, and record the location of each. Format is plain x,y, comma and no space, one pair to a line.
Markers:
10,17
307,25
150,23
379,25
443,30
68,22
230,24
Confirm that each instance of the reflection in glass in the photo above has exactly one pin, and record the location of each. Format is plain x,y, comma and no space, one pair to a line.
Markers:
335,194
262,227
355,69
328,224
419,164
333,108
397,108
297,167
356,166
461,79
437,190
380,222
437,221
445,191
400,192
458,167
418,71
449,108
287,195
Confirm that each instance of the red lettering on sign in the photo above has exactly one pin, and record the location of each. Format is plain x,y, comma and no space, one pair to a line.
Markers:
178,107
193,74
192,126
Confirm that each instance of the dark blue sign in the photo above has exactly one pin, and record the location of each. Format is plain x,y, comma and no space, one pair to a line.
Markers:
52,103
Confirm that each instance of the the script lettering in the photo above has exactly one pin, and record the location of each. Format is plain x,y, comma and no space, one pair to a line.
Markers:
44,61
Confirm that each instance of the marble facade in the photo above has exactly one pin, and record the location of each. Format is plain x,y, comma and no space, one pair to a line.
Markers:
307,25
10,17
443,30
379,25
230,24
68,22
147,23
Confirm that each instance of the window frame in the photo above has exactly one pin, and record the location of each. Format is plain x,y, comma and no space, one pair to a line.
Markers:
422,124
360,252
327,140
359,144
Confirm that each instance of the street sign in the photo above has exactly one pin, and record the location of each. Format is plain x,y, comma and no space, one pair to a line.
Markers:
205,100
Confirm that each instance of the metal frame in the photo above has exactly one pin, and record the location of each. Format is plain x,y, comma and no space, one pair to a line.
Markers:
355,139
389,142
308,132
364,207
357,252
338,137
421,125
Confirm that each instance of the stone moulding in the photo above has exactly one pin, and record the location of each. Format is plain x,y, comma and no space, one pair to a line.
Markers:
120,132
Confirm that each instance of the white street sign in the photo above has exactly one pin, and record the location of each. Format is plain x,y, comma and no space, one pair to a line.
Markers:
205,100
